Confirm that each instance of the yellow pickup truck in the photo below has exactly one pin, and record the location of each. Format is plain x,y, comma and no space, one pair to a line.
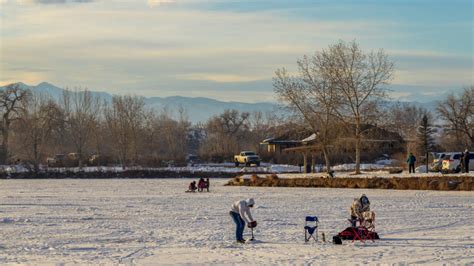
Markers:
247,157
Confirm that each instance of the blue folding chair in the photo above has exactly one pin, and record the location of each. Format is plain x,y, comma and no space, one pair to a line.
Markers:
311,228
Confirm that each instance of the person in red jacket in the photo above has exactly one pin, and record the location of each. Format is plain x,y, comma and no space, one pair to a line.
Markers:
201,185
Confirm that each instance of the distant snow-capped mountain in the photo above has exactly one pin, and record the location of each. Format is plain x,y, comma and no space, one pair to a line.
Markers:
200,109
197,109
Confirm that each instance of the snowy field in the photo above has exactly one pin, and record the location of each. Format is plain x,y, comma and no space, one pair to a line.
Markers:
155,222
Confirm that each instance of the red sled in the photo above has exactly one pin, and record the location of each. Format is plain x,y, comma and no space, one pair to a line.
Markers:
365,230
358,233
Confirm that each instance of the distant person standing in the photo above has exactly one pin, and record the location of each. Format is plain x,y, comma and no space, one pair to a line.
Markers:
461,163
207,184
411,163
466,161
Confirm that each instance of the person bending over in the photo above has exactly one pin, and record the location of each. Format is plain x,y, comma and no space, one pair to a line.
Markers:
359,205
240,213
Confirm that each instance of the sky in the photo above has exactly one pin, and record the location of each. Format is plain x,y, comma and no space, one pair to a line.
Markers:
228,49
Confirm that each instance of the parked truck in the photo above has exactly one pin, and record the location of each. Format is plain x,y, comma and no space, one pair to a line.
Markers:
247,157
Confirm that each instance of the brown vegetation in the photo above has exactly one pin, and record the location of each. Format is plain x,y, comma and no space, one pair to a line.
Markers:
112,174
37,130
465,183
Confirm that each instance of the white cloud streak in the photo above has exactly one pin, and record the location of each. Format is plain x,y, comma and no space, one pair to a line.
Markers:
113,45
155,3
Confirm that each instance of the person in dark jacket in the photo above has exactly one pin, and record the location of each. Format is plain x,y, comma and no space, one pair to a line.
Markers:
411,163
207,184
192,187
466,161
461,163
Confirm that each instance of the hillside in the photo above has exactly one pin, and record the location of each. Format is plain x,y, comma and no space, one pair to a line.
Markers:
198,109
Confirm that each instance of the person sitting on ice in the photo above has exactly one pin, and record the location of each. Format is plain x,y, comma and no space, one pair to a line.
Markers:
359,206
240,213
201,185
192,187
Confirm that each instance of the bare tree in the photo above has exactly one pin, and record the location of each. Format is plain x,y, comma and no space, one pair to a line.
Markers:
225,134
81,109
314,97
404,118
12,103
259,127
167,139
35,127
458,114
101,140
359,80
125,119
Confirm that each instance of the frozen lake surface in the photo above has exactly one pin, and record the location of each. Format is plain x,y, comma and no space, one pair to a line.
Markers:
155,222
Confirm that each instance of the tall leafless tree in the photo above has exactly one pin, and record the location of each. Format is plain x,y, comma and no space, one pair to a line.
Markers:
458,114
13,99
35,127
404,118
313,98
125,120
259,126
359,80
82,110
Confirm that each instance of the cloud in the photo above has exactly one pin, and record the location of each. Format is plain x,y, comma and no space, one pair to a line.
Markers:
154,3
53,1
440,76
119,45
399,94
26,77
222,78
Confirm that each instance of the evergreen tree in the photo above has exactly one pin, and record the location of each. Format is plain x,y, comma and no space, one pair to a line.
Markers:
425,138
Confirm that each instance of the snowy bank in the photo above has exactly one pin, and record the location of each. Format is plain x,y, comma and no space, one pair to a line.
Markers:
199,170
133,174
448,182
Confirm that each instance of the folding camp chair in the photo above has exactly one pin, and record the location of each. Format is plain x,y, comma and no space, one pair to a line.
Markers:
361,233
311,228
366,228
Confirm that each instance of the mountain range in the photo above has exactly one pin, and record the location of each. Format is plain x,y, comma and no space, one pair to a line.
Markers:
198,109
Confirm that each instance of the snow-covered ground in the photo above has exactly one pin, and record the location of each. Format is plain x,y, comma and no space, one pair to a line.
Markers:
209,168
155,222
382,165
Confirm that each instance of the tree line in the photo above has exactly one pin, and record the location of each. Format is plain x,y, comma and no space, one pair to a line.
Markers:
340,90
339,93
89,131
